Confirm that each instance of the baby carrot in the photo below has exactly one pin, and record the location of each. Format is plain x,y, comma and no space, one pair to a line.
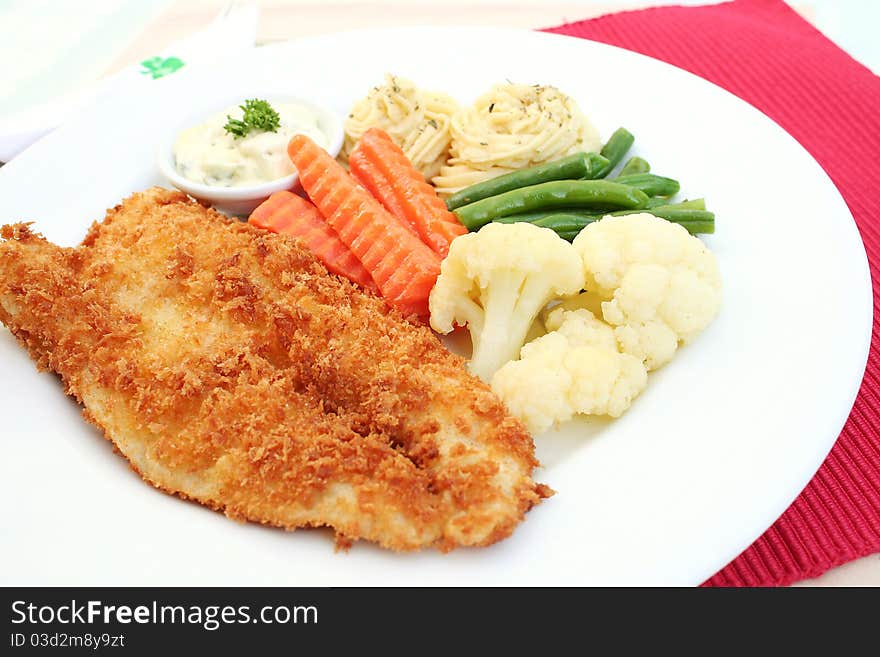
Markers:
289,214
377,185
382,167
403,268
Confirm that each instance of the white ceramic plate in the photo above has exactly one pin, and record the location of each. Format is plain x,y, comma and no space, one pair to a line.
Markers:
709,456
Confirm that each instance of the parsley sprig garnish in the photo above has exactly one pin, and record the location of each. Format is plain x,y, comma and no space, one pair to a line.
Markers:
258,115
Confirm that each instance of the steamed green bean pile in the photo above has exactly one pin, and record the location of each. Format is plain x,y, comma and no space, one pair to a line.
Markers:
568,194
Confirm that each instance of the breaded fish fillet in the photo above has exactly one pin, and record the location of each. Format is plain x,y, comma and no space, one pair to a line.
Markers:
230,368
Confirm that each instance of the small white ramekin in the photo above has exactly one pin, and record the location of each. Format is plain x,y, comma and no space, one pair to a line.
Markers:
242,200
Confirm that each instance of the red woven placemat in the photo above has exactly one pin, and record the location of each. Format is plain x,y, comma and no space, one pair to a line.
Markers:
763,52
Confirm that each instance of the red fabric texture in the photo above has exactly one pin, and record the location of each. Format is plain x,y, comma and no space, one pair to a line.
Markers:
765,53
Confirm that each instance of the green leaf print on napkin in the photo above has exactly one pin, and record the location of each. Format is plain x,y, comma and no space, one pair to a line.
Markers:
158,67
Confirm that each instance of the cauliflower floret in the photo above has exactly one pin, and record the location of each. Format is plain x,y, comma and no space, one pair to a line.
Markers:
496,281
576,368
535,388
581,327
659,286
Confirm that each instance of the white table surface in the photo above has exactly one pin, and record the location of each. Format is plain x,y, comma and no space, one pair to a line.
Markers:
50,48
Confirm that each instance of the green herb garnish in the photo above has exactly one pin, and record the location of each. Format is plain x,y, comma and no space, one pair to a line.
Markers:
258,115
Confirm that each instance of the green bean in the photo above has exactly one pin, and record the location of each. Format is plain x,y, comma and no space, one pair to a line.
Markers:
595,164
564,223
651,184
584,194
635,164
535,217
567,226
687,214
573,167
516,218
532,217
615,149
695,221
598,208
693,204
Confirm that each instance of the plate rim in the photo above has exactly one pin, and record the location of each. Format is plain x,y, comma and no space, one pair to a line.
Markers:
867,301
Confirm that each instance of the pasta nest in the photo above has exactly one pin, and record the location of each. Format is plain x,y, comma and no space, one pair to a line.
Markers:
417,120
511,127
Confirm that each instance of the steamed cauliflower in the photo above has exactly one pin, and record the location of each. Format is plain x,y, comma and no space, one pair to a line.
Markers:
575,368
658,285
496,281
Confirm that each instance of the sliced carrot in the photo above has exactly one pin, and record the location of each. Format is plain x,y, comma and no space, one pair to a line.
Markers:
411,294
383,168
377,185
286,213
402,266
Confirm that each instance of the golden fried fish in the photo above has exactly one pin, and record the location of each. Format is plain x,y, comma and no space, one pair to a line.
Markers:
230,368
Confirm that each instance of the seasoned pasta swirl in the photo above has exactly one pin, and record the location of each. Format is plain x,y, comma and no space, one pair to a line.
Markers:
511,127
417,120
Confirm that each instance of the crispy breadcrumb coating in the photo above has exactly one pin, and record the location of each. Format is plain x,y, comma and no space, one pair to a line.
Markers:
230,368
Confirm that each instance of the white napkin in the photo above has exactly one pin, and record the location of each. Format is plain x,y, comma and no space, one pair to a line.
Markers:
234,29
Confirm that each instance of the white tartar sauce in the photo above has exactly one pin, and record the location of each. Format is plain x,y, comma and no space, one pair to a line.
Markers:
209,155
